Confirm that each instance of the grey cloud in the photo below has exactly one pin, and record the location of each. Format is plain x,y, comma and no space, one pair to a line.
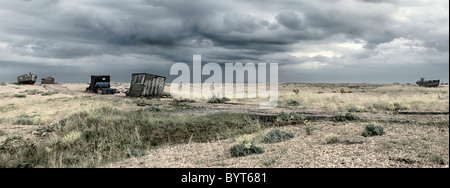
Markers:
240,23
50,49
290,20
222,31
379,1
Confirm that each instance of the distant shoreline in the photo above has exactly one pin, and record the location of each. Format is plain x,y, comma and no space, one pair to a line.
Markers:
304,83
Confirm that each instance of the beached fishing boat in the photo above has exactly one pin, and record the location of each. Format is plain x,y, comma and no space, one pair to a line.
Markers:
27,78
428,83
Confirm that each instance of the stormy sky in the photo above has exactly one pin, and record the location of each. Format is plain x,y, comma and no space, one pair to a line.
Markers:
375,41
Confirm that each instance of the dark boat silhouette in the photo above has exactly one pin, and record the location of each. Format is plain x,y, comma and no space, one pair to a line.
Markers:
428,83
27,78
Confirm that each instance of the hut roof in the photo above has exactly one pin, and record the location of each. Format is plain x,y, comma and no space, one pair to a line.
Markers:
148,74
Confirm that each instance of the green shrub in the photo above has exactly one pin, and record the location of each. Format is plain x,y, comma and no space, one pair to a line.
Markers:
153,109
277,136
183,100
49,93
284,117
357,109
135,153
7,108
71,137
269,162
293,103
346,117
244,148
25,116
308,127
331,139
181,105
292,117
339,117
218,100
13,144
25,119
32,92
436,159
3,84
373,130
23,122
391,106
351,117
19,95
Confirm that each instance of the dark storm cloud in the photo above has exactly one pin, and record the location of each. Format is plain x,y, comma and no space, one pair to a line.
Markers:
318,35
290,20
240,23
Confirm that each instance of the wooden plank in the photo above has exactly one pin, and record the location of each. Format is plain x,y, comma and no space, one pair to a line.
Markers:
144,90
135,91
153,91
160,86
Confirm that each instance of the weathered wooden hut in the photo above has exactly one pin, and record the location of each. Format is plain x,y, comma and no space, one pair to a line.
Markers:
98,80
47,80
146,85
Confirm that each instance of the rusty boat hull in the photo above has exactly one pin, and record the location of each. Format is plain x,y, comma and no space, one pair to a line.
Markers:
27,79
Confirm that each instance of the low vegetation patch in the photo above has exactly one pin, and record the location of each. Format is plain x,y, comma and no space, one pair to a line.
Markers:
436,159
183,100
308,127
342,90
19,96
7,108
277,136
49,93
331,139
245,146
357,109
181,104
218,100
25,119
23,122
373,130
292,117
269,162
106,135
346,117
153,109
292,103
32,92
391,106
3,84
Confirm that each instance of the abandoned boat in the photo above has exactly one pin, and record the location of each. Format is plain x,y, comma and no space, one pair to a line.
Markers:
27,78
428,83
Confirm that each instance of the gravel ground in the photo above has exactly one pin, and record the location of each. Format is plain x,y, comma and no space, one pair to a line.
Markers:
403,146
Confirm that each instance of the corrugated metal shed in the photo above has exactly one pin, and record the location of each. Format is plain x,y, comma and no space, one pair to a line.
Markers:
146,85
